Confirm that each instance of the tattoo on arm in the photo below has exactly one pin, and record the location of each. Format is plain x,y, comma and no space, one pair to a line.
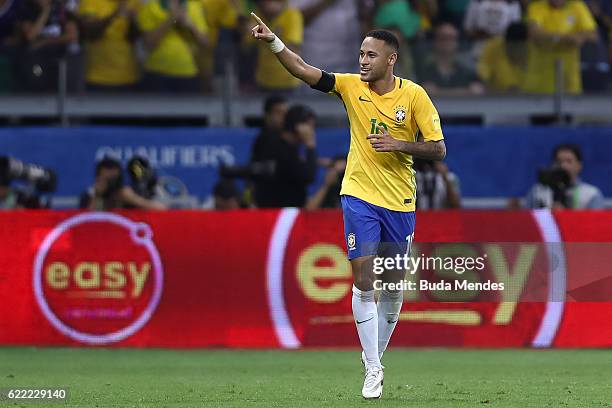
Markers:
425,150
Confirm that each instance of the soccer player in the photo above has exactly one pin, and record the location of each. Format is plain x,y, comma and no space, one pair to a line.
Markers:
391,120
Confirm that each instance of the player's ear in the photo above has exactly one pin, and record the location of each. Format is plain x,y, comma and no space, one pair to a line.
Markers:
392,58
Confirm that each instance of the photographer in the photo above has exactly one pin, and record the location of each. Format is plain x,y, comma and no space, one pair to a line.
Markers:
275,109
226,195
169,191
109,191
291,173
33,179
10,199
560,187
437,186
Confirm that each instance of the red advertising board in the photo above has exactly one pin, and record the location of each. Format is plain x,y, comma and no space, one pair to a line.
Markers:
280,278
99,279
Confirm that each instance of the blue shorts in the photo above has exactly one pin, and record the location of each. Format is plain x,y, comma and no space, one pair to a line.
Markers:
373,230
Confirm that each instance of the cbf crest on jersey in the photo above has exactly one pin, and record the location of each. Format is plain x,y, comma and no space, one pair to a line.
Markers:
400,114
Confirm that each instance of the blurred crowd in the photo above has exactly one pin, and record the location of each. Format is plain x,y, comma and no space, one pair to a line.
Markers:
450,46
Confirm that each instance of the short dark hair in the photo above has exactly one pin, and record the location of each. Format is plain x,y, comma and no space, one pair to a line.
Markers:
107,163
297,114
517,32
385,35
272,101
572,147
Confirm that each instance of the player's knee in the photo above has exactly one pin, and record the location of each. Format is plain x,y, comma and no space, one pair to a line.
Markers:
392,295
362,282
363,276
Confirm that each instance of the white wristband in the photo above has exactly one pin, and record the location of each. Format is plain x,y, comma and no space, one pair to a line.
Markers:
277,45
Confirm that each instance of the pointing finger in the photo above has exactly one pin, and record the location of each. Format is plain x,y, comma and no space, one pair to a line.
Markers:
256,18
382,129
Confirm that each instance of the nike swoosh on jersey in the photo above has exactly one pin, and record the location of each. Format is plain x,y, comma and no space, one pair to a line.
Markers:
363,321
364,100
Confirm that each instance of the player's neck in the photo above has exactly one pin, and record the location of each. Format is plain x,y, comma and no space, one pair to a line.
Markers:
384,85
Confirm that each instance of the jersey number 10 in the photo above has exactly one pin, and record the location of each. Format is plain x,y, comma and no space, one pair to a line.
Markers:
374,130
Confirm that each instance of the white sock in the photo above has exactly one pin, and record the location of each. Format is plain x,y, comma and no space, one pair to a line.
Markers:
366,320
389,306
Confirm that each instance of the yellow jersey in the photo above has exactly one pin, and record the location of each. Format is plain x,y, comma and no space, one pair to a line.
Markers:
496,70
574,17
384,179
111,58
174,55
219,14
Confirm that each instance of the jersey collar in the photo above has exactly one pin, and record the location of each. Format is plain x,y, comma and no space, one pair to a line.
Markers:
398,83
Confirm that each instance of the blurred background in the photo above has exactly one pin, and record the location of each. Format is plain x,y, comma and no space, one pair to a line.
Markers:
169,104
161,104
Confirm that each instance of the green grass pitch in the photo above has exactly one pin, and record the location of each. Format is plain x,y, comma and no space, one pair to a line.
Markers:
329,378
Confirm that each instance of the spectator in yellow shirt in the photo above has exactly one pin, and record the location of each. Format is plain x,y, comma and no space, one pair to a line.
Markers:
220,14
174,32
288,23
109,30
503,63
558,28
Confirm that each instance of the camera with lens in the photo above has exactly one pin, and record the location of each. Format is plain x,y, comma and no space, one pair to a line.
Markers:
146,183
37,180
143,177
558,180
43,179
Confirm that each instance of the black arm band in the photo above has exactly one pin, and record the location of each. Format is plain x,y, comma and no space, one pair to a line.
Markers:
326,83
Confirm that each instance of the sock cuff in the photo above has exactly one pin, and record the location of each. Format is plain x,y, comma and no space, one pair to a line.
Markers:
364,295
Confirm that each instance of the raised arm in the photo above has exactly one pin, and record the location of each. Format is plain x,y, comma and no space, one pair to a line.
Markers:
31,30
152,38
312,10
290,60
93,27
153,35
544,37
